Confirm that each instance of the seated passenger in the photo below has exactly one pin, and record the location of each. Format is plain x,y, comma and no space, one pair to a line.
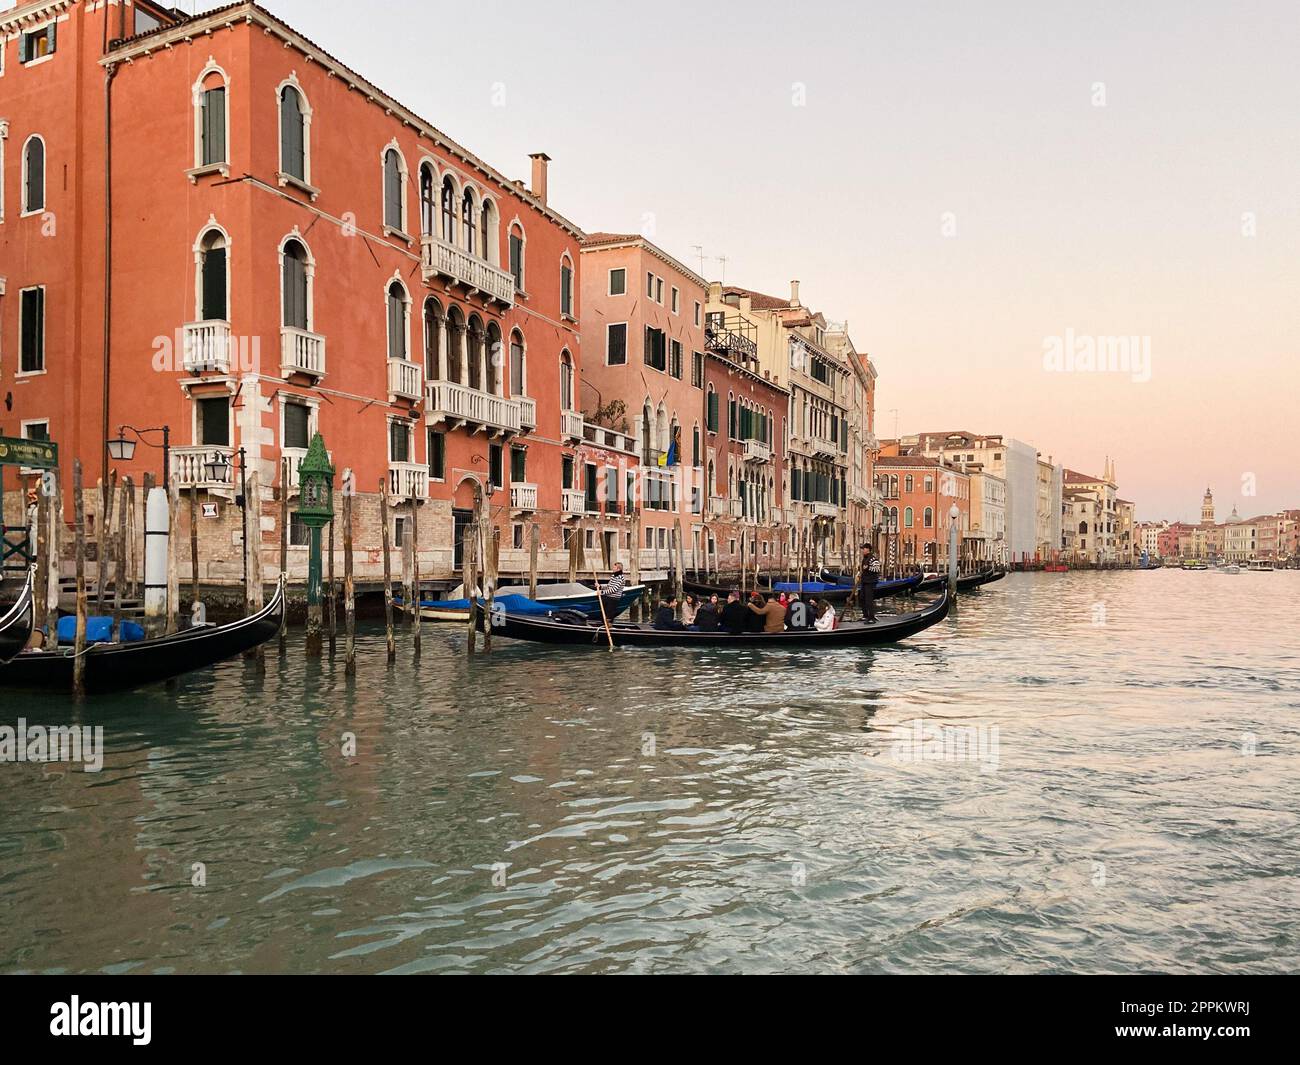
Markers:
772,613
826,619
666,615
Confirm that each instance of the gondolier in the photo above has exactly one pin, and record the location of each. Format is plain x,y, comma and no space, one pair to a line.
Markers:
867,578
613,590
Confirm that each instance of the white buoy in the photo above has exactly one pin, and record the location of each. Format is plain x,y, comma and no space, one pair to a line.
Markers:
157,524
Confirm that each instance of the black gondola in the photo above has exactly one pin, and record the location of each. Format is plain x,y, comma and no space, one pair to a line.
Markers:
17,622
841,594
586,633
123,666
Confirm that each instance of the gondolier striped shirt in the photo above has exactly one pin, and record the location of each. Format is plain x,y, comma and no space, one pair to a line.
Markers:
614,588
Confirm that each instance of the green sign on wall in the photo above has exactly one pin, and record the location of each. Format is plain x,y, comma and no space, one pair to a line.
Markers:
39,454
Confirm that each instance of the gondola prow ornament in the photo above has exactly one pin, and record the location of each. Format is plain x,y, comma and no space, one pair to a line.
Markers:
315,510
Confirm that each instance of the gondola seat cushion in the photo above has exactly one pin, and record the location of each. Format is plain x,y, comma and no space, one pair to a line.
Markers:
98,630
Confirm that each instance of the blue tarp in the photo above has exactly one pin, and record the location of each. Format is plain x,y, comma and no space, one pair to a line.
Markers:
98,630
807,586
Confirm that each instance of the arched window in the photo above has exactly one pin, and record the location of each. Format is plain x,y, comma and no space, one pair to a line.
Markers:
491,248
492,370
211,122
394,213
448,210
33,175
517,256
293,133
517,379
929,484
214,277
428,200
455,344
397,346
907,485
566,380
929,517
432,339
294,301
907,517
566,285
468,221
475,339
1083,527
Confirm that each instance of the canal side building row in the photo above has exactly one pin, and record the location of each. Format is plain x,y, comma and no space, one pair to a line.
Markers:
210,224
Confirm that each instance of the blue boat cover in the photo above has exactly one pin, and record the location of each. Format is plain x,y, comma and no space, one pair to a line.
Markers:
807,586
98,630
511,604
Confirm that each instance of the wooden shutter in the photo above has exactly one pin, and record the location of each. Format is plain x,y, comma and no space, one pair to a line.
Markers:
32,308
295,288
214,126
296,419
214,284
293,156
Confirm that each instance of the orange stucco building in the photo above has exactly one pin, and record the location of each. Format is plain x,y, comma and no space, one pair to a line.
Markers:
211,224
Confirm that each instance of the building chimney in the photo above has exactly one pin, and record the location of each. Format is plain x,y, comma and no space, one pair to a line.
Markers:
746,304
794,293
540,159
715,292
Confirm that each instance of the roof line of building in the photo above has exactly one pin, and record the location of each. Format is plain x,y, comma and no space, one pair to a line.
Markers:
601,241
142,44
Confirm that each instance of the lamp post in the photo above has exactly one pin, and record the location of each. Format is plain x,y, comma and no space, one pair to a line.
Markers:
315,510
122,449
217,467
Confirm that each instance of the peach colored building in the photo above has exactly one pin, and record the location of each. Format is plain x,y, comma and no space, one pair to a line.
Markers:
643,375
213,225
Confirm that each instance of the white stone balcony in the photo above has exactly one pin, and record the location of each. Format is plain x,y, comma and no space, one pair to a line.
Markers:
776,515
190,466
294,457
573,501
438,258
206,346
408,480
301,352
719,506
824,510
456,404
527,412
523,497
570,425
822,445
404,379
757,451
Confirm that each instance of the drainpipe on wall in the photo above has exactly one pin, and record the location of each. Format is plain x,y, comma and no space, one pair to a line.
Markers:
108,260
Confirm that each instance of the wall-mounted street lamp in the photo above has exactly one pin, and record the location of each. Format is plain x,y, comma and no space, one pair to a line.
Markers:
122,448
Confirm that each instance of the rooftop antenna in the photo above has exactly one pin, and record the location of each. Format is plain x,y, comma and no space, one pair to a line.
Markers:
699,252
723,260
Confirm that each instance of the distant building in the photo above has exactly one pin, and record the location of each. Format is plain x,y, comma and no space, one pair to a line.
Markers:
1092,516
917,493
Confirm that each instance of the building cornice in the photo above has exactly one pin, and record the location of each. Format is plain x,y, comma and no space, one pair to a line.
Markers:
654,249
167,37
29,14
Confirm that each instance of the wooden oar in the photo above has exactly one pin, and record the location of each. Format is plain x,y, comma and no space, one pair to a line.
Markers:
600,598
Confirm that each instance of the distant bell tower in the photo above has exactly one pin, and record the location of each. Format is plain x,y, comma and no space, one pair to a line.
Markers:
1207,508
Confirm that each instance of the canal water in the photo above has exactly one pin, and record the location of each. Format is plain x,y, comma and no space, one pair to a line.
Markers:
1084,772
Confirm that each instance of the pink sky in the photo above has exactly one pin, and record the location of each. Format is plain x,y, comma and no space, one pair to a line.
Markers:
827,141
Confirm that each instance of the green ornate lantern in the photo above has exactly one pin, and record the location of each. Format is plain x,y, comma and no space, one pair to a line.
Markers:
316,476
315,510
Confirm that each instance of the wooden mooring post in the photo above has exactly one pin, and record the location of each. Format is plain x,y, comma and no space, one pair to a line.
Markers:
386,540
413,604
79,548
349,592
284,548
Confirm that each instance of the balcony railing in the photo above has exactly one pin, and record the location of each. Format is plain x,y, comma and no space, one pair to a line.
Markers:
294,456
570,425
734,336
527,412
190,465
408,480
757,451
573,500
822,445
441,258
776,515
455,403
404,379
824,510
301,352
603,437
207,346
719,506
523,496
